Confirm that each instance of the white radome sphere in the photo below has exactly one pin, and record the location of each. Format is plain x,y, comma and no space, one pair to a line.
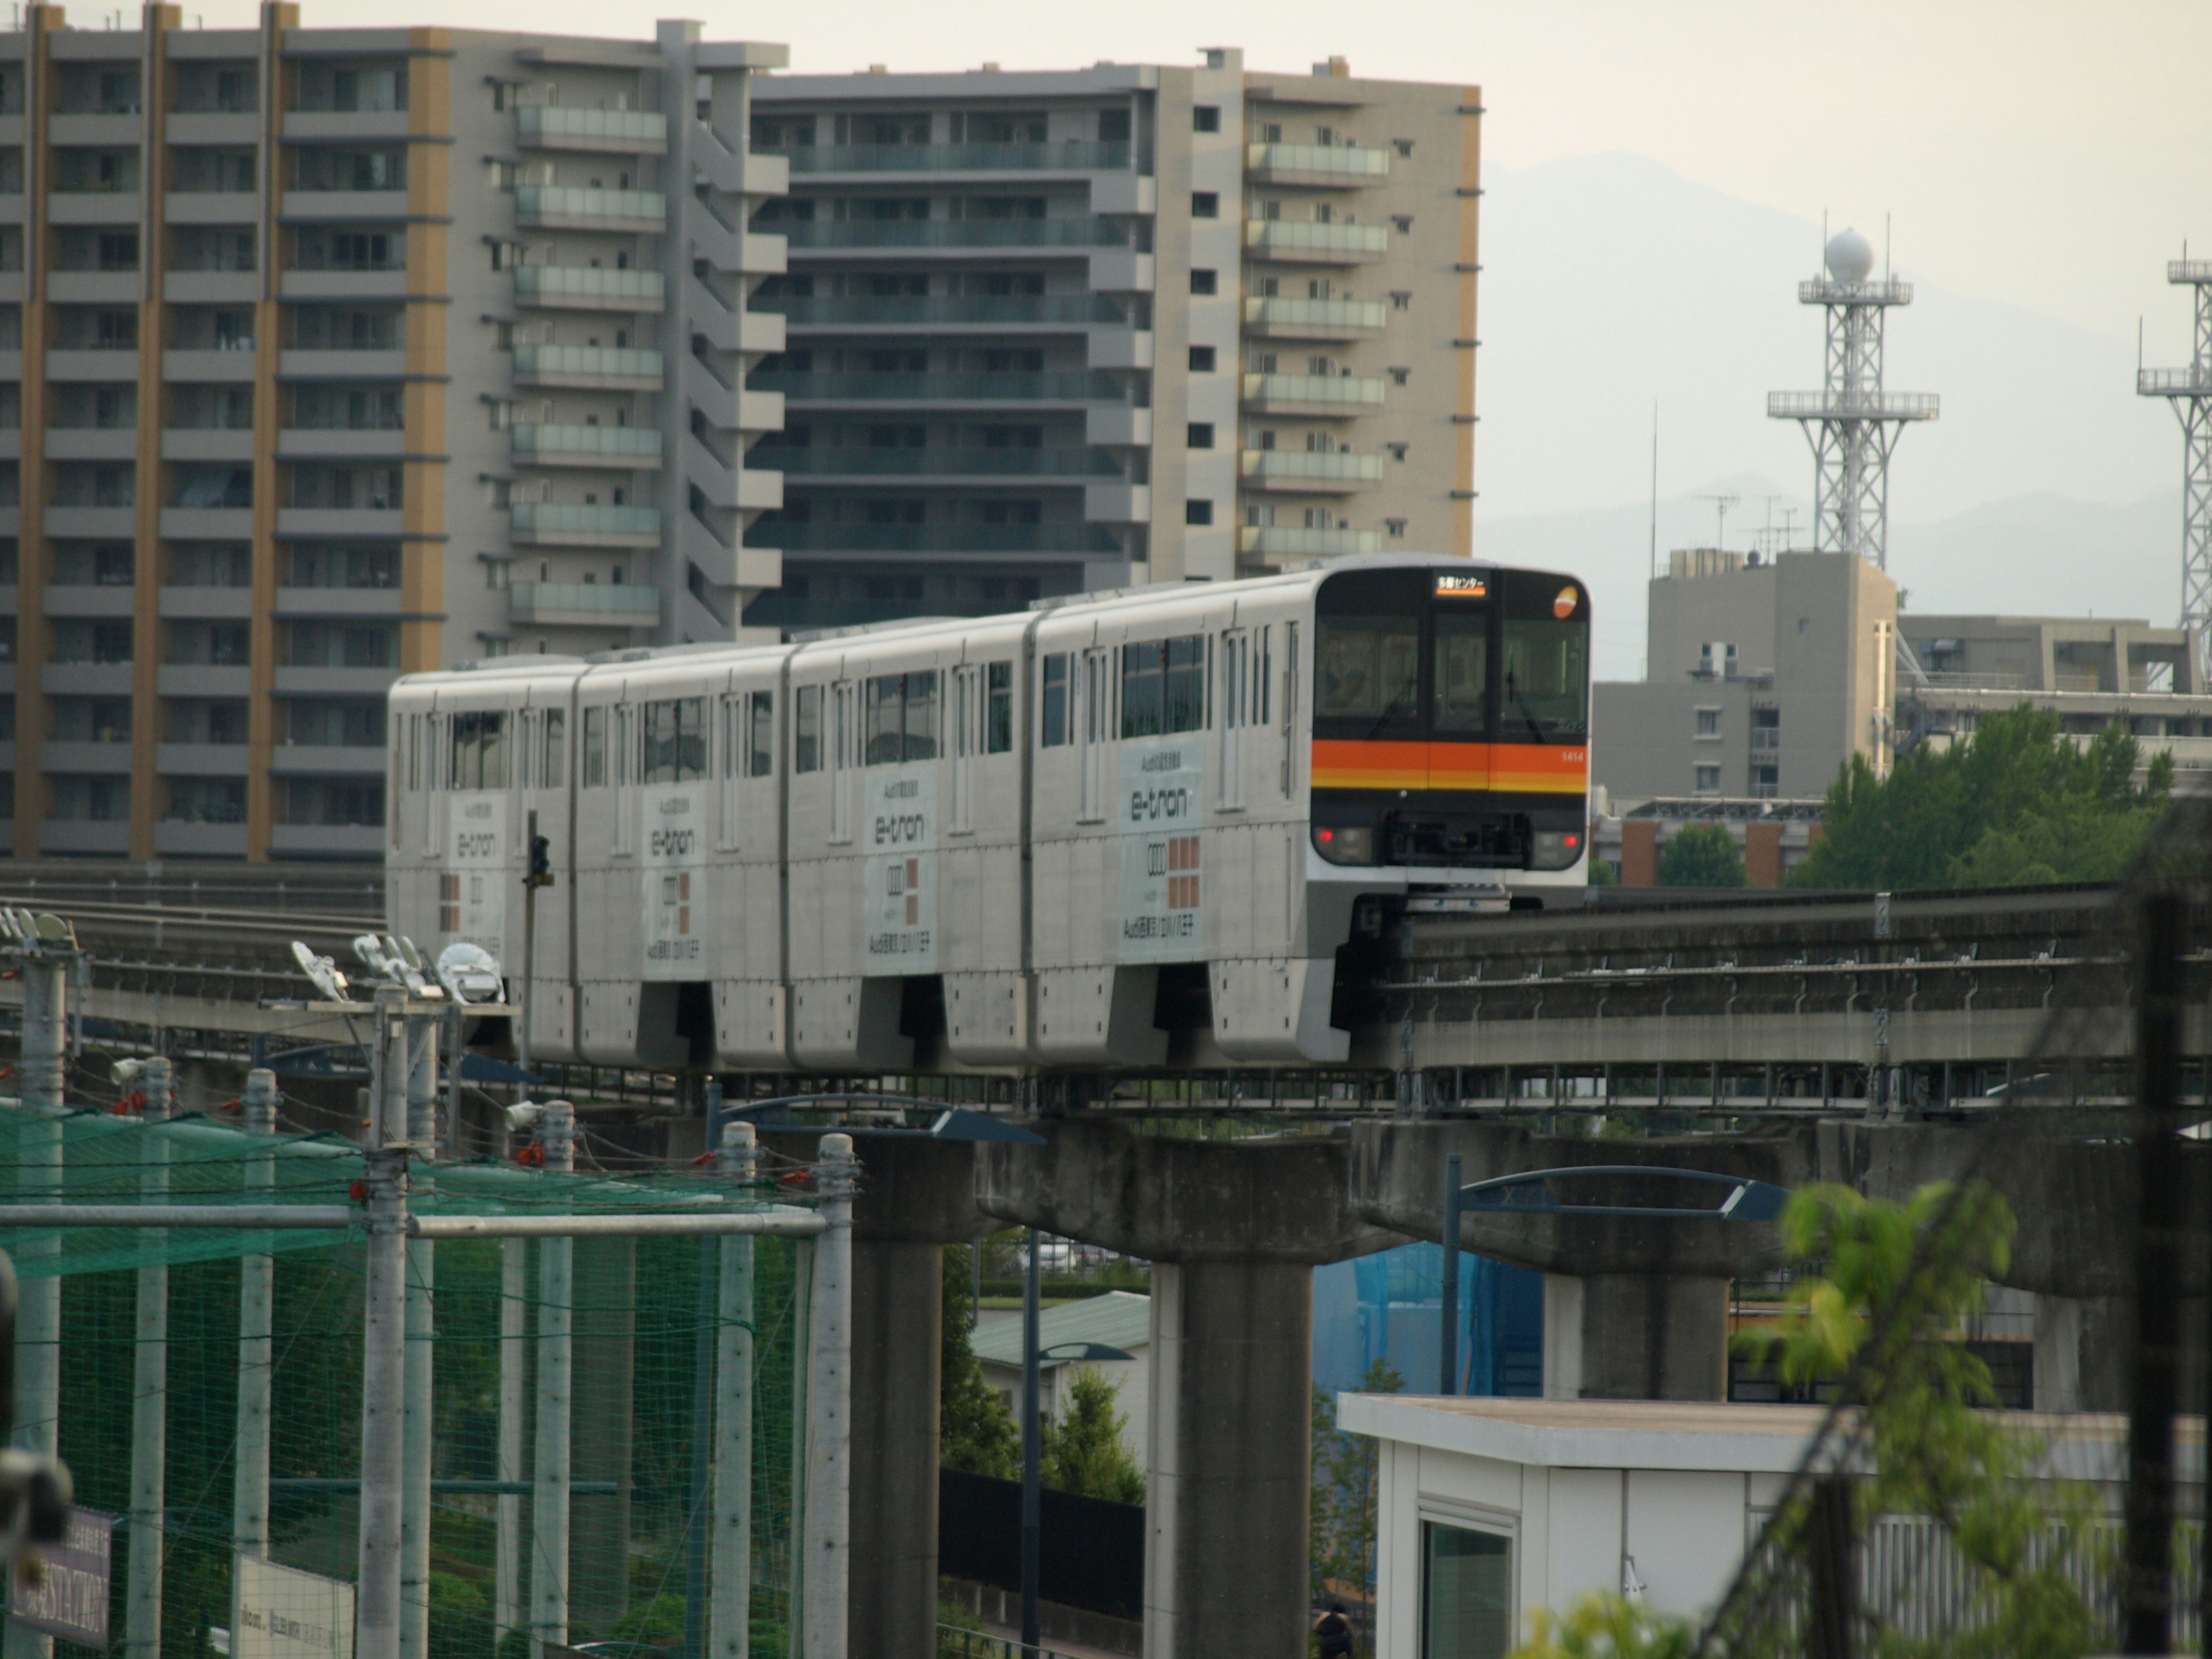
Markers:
1849,257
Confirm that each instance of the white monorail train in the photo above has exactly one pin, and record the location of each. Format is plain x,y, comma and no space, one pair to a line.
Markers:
1048,839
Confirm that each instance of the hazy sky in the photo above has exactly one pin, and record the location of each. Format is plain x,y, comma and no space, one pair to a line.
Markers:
2045,153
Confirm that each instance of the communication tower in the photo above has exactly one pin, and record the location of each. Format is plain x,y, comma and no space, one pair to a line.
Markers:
2190,391
1853,423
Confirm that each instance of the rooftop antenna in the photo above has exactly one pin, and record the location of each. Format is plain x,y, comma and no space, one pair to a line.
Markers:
2188,391
1852,423
1655,486
1720,505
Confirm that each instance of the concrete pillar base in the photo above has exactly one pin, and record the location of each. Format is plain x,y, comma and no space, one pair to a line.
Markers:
2082,1345
897,1320
1635,1336
1227,1472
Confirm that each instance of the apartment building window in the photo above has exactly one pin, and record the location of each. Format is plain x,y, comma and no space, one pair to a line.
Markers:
1201,359
97,90
1205,282
1709,725
94,564
372,489
1201,436
211,408
1206,118
80,407
783,133
345,328
384,168
211,328
320,249
108,641
1204,205
1708,781
207,800
1766,729
1766,780
212,90
215,488
1467,1592
96,172
92,720
96,328
81,249
203,247
346,408
1198,512
364,89
210,564
95,483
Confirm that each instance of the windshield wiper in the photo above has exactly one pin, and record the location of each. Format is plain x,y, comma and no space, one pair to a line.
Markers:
1389,710
1535,726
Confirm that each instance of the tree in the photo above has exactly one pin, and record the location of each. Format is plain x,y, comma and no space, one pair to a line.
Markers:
2019,803
976,1429
1083,1450
1340,1505
1701,855
1602,874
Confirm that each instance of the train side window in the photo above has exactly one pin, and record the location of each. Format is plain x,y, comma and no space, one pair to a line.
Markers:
728,709
921,716
553,767
1164,687
806,731
900,716
999,711
675,740
595,748
1263,679
760,729
1052,721
479,750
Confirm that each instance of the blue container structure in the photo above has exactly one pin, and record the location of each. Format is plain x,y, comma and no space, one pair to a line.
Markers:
1387,1306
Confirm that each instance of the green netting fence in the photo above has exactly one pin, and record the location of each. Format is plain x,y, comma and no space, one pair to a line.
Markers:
646,1332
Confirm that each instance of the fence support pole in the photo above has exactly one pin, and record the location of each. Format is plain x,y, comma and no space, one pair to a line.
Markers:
730,1570
256,1291
421,1348
830,1407
549,1468
1032,1450
514,1378
150,1391
1447,1337
384,1339
39,1179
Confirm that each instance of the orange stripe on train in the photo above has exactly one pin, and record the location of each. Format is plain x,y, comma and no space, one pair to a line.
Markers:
1521,769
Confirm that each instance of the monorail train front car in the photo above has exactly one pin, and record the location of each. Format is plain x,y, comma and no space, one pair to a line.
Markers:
1068,838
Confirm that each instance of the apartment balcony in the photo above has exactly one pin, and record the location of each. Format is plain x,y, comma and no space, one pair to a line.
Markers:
318,364
103,129
305,602
968,314
583,605
95,288
101,524
598,368
1321,395
315,207
567,207
11,443
212,207
99,759
205,604
201,760
349,443
1301,241
207,523
617,132
232,365
1313,319
992,235
1065,386
237,130
326,841
11,362
102,366
332,680
992,539
87,679
564,524
179,838
589,287
626,447
94,207
1306,471
1266,542
76,600
92,443
1071,155
203,680
207,443
1069,461
326,760
85,837
385,283
332,126
212,288
352,522
1331,167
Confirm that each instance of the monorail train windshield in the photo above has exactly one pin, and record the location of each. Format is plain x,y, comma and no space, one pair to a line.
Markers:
1452,718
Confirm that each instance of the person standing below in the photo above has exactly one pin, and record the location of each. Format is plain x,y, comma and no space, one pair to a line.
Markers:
1334,1626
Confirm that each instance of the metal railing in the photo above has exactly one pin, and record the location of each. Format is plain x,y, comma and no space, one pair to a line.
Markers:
1351,315
950,233
1066,385
2171,382
1336,160
954,1643
810,536
1292,541
1069,155
611,362
1312,388
2188,270
1827,291
1316,466
1853,405
995,311
530,600
609,442
538,203
1306,236
644,128
1058,461
570,519
557,282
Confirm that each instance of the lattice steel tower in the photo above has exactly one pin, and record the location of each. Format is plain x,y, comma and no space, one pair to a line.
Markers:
1853,423
2190,391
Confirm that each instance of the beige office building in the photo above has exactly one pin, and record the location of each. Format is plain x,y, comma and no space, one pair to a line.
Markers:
1762,676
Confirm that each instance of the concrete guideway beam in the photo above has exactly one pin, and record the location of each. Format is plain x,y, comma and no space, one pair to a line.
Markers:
916,1196
1233,1230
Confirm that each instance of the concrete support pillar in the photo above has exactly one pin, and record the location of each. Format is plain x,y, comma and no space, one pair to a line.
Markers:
898,1322
2080,1353
1635,1336
605,1364
1227,1468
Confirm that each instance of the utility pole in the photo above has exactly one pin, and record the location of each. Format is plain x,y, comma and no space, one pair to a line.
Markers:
829,1408
551,1467
1032,1452
1447,1338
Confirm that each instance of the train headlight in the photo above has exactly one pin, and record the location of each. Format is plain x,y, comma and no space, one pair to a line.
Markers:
1343,846
1554,849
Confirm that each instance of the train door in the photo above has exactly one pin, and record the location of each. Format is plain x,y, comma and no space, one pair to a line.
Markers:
844,757
966,743
1095,729
625,759
1459,752
1235,695
732,751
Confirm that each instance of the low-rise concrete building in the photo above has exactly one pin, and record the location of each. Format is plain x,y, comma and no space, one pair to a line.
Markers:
1775,835
1119,1319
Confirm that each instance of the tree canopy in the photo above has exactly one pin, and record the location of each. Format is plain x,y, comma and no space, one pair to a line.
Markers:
975,1431
1702,855
2019,803
1083,1450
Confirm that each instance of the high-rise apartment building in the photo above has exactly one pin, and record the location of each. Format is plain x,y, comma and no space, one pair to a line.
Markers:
1057,332
331,353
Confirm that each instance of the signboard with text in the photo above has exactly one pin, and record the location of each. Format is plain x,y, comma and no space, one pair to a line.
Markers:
69,1597
283,1613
